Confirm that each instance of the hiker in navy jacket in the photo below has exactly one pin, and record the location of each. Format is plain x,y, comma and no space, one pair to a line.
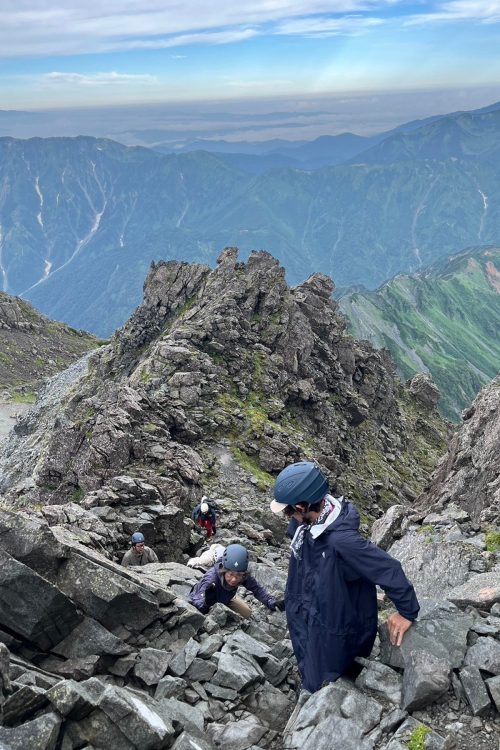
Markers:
204,515
330,597
220,584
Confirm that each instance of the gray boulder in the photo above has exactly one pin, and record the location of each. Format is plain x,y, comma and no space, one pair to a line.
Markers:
381,680
481,591
118,717
106,595
236,673
32,607
388,528
152,665
188,740
184,658
179,711
426,678
5,685
39,734
237,735
76,700
271,706
493,684
23,704
337,713
90,637
434,568
170,687
485,654
441,630
475,690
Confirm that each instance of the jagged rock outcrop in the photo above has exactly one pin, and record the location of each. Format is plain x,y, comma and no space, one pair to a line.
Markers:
450,548
218,368
469,474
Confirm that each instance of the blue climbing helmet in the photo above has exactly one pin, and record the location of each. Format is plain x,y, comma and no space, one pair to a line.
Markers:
136,538
302,482
235,558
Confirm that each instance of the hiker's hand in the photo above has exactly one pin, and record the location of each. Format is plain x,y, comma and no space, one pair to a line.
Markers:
280,605
397,625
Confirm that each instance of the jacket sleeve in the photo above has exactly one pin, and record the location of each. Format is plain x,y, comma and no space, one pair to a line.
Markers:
126,560
195,513
197,595
153,557
259,592
375,565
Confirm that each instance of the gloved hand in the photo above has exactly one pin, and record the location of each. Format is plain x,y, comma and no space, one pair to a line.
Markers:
280,605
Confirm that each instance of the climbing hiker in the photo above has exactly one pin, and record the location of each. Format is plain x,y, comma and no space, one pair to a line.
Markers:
207,558
330,596
138,554
220,584
204,515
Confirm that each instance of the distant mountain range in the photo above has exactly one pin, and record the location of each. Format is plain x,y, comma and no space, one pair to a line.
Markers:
445,320
325,151
82,218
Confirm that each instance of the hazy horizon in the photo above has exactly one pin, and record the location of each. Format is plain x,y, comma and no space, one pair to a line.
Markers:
330,66
249,121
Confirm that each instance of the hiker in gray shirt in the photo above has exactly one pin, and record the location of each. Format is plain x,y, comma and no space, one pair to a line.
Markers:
139,554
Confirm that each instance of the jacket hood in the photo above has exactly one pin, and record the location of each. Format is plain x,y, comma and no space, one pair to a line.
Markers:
347,520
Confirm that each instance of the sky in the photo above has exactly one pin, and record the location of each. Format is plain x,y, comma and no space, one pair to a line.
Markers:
305,54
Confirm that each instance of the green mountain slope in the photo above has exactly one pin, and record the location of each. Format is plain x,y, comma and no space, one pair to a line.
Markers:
469,135
445,320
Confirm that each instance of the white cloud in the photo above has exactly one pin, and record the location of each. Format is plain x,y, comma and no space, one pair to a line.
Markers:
97,79
216,37
484,11
322,27
68,27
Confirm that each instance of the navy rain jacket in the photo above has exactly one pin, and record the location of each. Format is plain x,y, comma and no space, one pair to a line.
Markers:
196,514
330,598
210,590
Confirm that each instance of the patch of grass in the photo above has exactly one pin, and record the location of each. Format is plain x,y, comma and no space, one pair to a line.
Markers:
188,304
145,377
417,738
77,494
264,480
258,367
492,540
23,397
427,528
150,428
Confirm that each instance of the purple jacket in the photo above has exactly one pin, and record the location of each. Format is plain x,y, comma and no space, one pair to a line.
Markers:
210,590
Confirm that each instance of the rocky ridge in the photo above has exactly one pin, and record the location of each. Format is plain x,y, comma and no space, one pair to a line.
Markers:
33,348
218,380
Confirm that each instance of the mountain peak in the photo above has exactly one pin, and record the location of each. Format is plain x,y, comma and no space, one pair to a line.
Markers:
231,361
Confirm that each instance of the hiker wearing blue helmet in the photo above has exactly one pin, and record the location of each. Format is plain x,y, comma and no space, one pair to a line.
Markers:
220,584
138,554
330,596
